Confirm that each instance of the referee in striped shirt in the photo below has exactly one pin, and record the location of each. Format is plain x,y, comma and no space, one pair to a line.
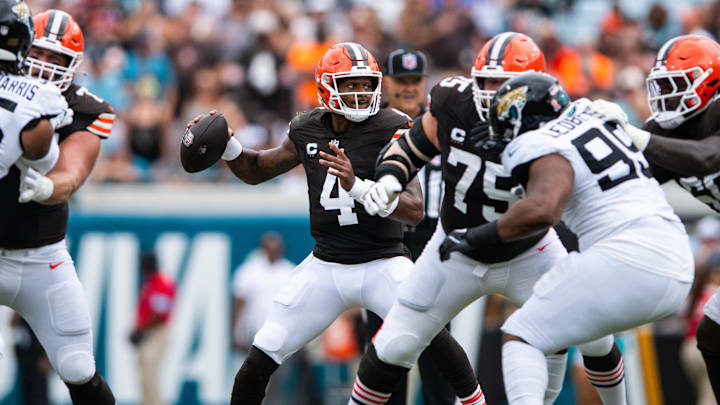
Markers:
404,78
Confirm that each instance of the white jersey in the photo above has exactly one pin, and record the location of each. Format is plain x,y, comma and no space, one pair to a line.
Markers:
612,186
22,101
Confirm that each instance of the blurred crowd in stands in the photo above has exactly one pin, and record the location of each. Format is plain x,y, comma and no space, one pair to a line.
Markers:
161,62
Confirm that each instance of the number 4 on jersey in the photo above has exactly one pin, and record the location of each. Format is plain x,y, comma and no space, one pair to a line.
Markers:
342,202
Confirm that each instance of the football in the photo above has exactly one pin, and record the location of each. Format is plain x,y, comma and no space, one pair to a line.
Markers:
203,143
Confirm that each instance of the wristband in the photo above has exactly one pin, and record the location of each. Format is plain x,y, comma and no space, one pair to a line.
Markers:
359,188
233,149
485,234
640,137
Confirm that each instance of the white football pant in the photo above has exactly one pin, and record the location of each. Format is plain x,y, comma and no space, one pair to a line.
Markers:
318,292
638,275
42,286
436,291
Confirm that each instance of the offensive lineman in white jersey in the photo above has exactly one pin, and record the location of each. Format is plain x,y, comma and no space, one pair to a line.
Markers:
29,109
635,264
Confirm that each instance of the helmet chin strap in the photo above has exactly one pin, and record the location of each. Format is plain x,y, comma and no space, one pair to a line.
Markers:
355,117
669,119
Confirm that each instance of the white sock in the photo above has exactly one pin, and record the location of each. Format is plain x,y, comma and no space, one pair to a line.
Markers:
476,398
607,374
525,372
557,364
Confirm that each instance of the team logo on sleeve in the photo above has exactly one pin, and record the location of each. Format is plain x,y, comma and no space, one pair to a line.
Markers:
188,138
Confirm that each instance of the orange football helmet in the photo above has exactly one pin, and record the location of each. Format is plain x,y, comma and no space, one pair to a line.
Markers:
505,56
344,60
684,80
56,31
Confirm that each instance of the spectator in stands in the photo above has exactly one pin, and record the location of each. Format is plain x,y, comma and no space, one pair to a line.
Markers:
147,126
150,335
254,286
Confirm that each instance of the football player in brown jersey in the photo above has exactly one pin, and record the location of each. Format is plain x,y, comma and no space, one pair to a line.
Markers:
359,259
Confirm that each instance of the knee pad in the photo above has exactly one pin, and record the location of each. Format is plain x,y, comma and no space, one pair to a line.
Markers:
271,339
597,348
708,336
398,347
75,364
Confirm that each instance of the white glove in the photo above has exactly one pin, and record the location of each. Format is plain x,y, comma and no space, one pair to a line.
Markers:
613,112
62,119
34,186
609,111
382,198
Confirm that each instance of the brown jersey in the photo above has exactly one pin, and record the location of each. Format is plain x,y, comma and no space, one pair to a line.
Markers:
343,231
704,125
477,188
32,224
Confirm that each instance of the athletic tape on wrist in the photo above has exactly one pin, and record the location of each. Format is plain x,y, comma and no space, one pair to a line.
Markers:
359,188
233,149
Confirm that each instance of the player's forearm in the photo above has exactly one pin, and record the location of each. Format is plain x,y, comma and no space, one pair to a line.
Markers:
685,157
525,218
255,167
64,185
409,210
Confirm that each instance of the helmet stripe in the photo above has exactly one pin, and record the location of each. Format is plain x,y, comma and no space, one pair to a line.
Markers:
363,56
497,50
63,26
665,50
357,54
48,25
351,51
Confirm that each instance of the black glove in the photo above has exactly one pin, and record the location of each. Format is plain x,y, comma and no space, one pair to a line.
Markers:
483,142
455,242
467,240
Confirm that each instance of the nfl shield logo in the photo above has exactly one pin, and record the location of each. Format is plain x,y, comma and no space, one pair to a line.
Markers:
4,30
335,142
409,61
188,138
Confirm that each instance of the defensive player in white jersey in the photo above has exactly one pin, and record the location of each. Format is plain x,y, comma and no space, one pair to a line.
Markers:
681,141
37,274
29,109
635,264
477,191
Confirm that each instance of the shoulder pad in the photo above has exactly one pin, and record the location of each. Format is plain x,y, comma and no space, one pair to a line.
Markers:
448,90
81,100
94,113
302,118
